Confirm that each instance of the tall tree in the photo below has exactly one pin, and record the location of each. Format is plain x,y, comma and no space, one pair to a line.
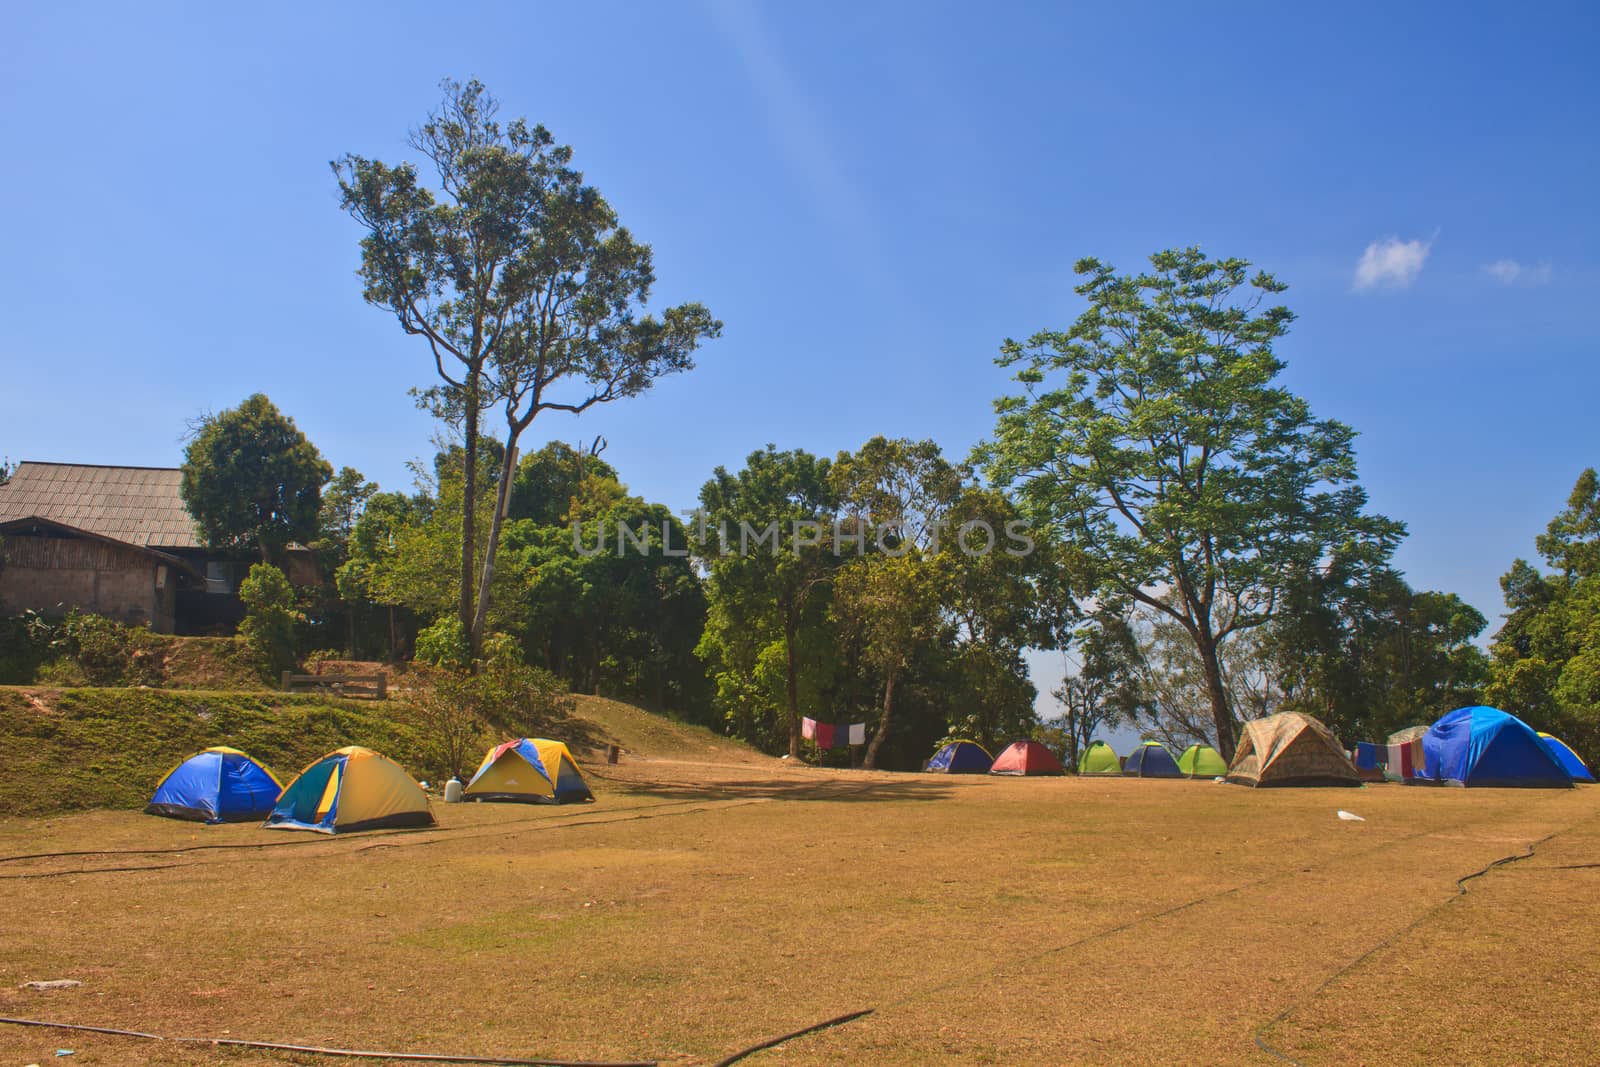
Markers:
252,481
890,605
522,283
896,494
765,535
1101,687
342,502
1152,439
1545,661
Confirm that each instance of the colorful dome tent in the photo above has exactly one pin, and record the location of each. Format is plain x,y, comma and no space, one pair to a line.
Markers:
530,770
1566,757
1026,758
961,757
1290,749
1099,758
1484,746
1151,760
1202,761
351,789
217,785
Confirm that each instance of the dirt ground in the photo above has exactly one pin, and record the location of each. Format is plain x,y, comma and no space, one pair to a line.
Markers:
701,907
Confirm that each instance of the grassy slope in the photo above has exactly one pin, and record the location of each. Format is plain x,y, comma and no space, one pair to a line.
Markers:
645,734
73,749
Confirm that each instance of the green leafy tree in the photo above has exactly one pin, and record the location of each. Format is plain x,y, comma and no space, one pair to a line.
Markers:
343,500
1152,441
1101,687
766,539
890,605
268,626
521,282
1545,660
252,481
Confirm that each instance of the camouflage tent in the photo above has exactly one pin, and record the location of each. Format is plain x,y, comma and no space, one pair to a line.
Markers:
1290,749
1409,734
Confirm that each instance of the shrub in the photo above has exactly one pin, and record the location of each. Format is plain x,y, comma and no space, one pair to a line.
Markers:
27,642
463,711
444,644
268,626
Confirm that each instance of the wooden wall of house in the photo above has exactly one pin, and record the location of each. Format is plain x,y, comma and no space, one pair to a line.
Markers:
53,575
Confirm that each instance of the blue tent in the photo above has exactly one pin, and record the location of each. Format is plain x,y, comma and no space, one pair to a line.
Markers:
1485,746
1566,757
961,757
217,785
1151,760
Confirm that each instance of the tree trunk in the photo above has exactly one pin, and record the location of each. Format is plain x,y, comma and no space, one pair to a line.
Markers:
791,684
1221,710
469,515
480,619
882,733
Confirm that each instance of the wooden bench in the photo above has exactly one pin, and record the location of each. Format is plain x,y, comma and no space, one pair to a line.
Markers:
375,686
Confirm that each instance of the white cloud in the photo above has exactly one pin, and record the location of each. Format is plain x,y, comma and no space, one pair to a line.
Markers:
1392,262
1510,272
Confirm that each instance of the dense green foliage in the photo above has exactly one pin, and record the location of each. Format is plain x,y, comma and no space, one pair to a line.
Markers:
251,479
1546,658
841,590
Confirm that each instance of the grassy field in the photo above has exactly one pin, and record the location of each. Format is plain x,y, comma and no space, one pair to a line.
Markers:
713,898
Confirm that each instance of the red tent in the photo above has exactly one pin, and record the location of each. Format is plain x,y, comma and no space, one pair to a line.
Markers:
1026,757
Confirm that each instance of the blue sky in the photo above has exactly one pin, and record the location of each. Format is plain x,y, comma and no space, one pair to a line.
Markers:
871,197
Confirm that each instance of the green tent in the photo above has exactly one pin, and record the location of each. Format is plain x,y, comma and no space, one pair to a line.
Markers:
1202,761
1099,758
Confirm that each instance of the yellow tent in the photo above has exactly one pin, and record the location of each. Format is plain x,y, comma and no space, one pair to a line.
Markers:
351,789
530,770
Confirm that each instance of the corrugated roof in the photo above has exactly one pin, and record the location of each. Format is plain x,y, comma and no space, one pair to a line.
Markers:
139,505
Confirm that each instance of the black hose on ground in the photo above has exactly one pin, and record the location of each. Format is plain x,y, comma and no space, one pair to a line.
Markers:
1461,891
838,1020
316,1050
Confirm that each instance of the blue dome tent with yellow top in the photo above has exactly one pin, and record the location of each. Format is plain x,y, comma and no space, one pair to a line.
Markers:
1484,746
218,785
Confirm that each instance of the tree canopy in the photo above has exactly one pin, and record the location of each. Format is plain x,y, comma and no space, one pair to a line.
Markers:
251,479
522,283
1152,440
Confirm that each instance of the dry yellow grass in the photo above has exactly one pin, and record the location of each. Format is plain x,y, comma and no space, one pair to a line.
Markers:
707,903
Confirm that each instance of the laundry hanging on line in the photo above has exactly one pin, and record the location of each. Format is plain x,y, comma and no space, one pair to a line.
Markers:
833,735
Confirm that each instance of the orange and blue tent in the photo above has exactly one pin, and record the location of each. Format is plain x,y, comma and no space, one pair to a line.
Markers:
1026,757
1484,746
351,789
530,770
1151,760
218,785
961,757
1566,757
